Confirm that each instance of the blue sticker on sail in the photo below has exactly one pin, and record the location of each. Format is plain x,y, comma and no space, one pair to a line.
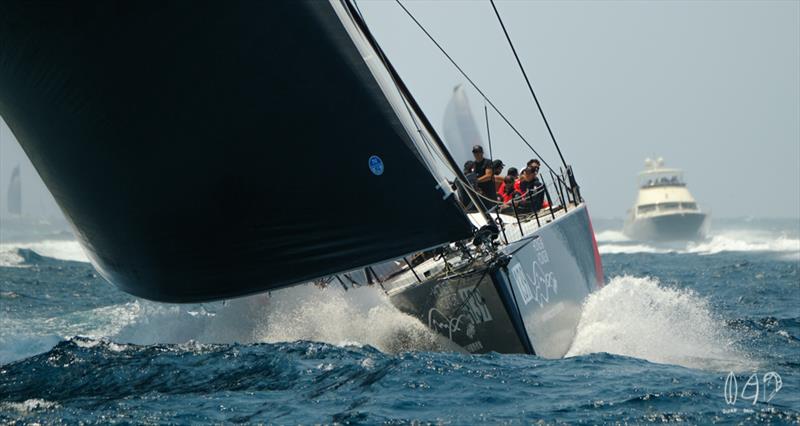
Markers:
376,165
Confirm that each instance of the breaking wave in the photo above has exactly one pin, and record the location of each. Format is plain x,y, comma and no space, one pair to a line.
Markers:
56,249
361,316
638,317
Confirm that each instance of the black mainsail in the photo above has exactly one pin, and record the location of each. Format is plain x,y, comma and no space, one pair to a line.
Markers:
217,149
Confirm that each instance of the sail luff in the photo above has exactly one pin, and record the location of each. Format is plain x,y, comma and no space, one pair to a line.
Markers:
440,160
408,118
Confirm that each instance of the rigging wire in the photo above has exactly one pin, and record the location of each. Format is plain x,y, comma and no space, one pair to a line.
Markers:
471,82
488,133
409,103
430,145
528,81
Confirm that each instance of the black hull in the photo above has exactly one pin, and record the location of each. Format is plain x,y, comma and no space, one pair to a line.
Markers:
529,304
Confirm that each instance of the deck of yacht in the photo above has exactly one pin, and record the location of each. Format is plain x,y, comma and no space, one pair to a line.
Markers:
513,230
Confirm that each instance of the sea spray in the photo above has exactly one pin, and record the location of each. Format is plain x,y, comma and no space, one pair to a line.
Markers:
360,316
639,317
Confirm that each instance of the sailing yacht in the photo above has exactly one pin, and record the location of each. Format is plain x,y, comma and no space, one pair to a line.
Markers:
665,210
164,130
14,194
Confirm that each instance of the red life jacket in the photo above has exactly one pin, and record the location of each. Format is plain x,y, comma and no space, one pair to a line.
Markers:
517,190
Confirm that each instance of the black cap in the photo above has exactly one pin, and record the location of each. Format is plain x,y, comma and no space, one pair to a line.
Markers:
477,148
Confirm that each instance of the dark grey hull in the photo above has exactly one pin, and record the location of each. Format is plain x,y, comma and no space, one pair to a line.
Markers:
527,300
671,227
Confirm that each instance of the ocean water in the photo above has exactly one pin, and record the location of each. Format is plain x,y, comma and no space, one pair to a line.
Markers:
699,332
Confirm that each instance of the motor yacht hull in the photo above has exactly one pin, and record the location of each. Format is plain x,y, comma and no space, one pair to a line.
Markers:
684,226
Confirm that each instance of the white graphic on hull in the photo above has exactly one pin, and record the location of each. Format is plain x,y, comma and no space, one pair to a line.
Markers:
541,285
441,323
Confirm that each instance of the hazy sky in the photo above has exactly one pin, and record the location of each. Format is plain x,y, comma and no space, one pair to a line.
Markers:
713,87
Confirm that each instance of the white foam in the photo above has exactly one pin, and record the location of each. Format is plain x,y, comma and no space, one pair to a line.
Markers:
745,241
28,405
614,242
360,316
24,338
57,249
610,236
9,256
629,248
639,317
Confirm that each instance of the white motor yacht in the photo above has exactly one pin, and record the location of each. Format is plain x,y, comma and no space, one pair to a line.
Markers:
665,210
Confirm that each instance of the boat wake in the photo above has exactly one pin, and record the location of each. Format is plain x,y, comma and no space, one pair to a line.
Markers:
639,317
615,242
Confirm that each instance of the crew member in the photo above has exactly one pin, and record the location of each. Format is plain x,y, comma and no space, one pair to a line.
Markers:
497,170
472,181
485,171
514,175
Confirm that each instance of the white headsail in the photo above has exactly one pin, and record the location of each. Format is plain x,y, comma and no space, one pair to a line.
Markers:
460,129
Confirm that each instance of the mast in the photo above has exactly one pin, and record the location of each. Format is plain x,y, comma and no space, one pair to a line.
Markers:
412,103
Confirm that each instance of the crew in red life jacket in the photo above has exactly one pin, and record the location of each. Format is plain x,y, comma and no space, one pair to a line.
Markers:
514,174
509,192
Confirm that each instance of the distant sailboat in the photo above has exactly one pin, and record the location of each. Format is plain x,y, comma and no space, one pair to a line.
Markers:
15,193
